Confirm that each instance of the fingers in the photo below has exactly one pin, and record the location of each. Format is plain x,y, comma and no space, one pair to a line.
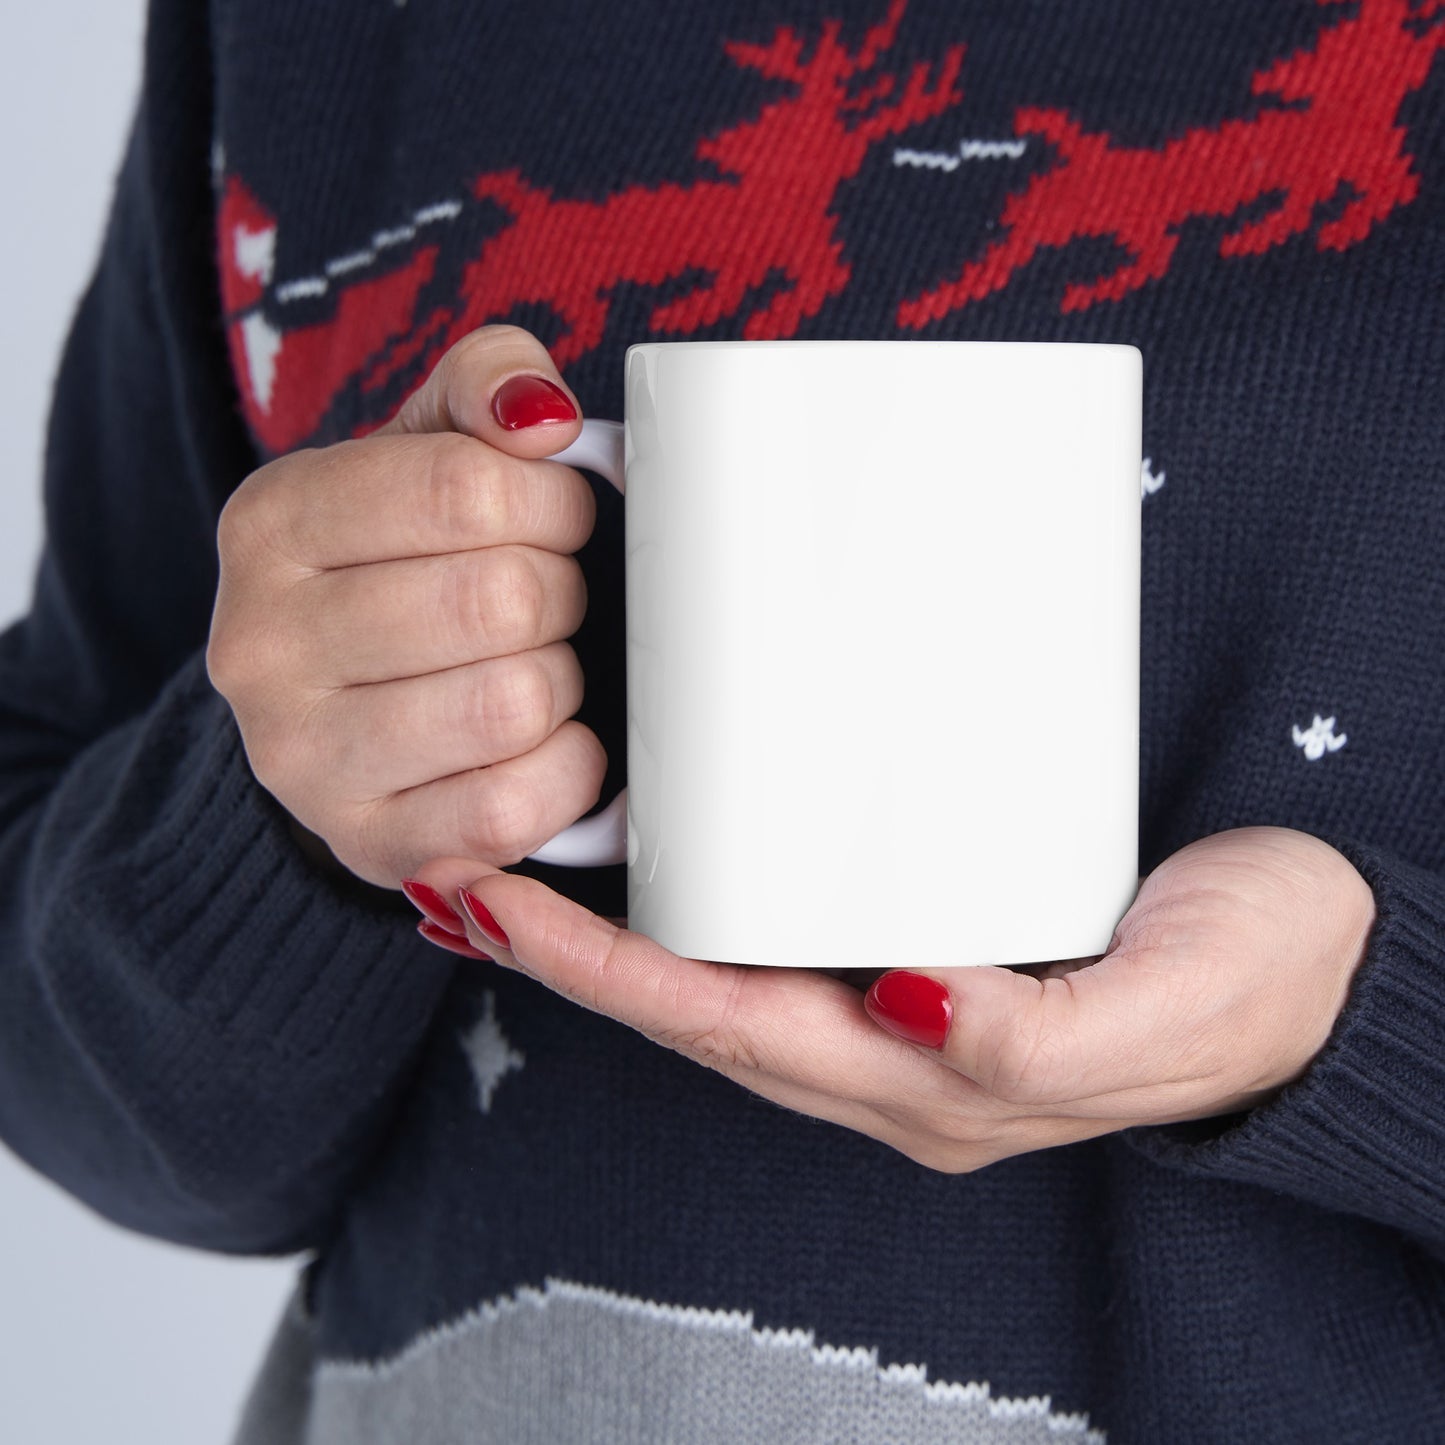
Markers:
419,615
791,1034
500,386
399,735
400,496
458,467
497,814
1086,1042
796,1037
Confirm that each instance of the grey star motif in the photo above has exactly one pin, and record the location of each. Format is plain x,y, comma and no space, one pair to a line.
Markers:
489,1052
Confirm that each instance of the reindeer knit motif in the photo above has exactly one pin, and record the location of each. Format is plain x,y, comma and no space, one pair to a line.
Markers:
524,1223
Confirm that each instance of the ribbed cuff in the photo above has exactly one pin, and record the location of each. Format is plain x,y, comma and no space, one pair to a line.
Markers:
219,910
1363,1131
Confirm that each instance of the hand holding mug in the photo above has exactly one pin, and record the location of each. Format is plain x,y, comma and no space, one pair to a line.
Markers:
391,620
1221,984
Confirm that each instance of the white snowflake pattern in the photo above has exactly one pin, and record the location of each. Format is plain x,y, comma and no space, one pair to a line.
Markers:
1319,738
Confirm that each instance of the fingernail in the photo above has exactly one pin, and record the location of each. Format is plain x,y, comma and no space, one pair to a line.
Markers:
451,942
488,926
911,1006
434,906
524,401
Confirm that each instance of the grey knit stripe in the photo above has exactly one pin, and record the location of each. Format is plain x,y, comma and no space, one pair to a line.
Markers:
571,1364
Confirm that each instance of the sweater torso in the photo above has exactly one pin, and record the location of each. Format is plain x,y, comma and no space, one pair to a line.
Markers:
573,1234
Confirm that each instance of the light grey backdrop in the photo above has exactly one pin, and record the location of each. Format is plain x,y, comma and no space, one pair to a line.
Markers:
104,1336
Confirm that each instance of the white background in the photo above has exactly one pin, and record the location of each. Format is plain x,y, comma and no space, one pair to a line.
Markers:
104,1336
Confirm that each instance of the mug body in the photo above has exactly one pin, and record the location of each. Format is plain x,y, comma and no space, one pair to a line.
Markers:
882,650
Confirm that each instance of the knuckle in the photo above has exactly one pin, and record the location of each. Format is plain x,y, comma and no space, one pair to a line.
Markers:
465,372
717,1043
716,1049
593,989
514,601
241,523
366,842
1024,1063
505,822
232,658
514,705
289,750
499,336
269,755
473,491
568,687
453,499
253,648
256,514
572,595
223,665
594,761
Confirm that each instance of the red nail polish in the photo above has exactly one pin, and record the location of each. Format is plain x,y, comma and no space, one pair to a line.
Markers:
523,401
451,942
479,914
915,1008
434,906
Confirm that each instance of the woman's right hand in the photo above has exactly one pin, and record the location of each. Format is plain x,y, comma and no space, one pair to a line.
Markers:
389,626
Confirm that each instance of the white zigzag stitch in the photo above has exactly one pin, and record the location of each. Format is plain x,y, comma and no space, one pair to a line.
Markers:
395,237
905,1374
972,1392
992,150
968,150
694,1317
306,287
929,160
295,290
786,1339
354,262
441,211
855,1357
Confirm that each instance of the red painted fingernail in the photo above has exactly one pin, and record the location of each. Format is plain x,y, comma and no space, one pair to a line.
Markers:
915,1008
524,401
451,942
434,906
477,911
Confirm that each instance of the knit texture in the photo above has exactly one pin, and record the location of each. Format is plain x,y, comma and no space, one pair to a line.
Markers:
515,1206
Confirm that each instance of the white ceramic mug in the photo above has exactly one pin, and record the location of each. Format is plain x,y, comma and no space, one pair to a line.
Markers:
882,650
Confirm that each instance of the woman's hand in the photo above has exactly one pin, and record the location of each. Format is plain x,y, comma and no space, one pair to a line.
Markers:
390,620
1222,982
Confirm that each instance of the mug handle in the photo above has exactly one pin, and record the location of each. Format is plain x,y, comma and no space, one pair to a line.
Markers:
602,838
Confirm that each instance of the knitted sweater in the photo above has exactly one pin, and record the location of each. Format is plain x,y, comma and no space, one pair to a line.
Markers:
525,1222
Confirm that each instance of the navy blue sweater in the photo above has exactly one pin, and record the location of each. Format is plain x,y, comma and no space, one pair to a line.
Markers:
526,1221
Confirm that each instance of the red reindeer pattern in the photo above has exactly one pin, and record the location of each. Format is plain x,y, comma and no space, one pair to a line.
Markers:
771,214
1341,129
1329,132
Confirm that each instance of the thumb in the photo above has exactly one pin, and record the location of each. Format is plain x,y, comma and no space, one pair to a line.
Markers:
1028,1040
499,385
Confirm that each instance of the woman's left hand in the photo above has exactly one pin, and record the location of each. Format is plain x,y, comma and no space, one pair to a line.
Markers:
1222,982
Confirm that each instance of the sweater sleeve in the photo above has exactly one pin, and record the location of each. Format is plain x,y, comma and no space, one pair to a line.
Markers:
201,1037
1362,1132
